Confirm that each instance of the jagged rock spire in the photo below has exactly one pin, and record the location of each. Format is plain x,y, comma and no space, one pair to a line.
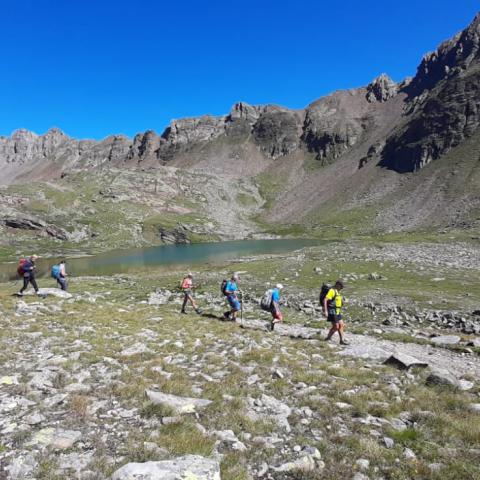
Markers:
381,89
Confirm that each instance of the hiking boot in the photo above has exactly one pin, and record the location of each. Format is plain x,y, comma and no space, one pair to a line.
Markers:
327,339
198,311
344,342
20,294
226,315
183,311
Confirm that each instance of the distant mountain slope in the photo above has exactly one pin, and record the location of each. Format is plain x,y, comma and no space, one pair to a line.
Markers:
357,157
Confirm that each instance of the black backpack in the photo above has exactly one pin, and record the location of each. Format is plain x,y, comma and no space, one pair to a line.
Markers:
323,292
223,286
266,300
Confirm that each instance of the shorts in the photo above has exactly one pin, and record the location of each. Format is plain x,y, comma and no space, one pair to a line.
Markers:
334,317
234,303
276,315
188,293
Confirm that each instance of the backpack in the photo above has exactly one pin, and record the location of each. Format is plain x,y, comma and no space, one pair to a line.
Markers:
266,300
21,265
55,272
223,286
323,292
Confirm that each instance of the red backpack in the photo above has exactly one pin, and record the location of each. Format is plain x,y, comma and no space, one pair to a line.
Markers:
21,264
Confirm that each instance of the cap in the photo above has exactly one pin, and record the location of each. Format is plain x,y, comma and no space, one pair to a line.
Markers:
279,286
340,283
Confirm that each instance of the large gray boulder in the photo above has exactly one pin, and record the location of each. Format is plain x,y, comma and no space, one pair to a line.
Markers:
443,378
404,362
189,467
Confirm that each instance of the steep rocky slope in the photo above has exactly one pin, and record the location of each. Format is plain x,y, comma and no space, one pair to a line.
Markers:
353,158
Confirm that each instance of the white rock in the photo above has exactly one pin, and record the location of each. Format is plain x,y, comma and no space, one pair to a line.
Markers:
446,340
362,463
189,467
409,454
304,464
389,443
135,349
465,385
178,404
7,380
475,407
360,476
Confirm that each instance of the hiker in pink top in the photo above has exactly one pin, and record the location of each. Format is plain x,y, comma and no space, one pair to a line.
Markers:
187,288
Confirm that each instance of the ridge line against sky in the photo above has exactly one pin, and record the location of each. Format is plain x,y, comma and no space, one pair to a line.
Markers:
94,69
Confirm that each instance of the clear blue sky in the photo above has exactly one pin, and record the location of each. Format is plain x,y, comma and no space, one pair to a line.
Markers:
93,68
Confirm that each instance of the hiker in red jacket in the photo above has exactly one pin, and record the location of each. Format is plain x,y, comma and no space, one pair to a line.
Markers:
27,269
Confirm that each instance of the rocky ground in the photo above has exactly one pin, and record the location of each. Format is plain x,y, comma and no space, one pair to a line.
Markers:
111,381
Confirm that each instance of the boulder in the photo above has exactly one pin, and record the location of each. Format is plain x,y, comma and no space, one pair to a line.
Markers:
178,404
304,464
445,340
475,407
442,378
404,361
191,467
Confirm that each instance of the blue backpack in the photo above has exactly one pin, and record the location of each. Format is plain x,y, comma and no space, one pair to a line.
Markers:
55,272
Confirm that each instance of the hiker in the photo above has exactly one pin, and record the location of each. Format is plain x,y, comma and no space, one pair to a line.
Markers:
187,288
332,309
230,291
27,270
60,275
277,316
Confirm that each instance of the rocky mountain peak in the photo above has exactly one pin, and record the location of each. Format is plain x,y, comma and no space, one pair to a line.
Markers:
242,110
55,132
381,89
22,134
451,57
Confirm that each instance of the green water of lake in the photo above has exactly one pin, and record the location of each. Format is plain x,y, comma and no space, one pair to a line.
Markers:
123,261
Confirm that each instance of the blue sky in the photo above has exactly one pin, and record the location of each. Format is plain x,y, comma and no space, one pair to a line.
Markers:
94,68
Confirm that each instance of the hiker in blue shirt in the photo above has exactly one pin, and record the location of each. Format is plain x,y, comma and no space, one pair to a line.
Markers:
59,273
231,290
277,316
62,275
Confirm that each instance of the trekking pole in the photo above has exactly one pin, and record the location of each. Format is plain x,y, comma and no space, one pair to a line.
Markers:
241,308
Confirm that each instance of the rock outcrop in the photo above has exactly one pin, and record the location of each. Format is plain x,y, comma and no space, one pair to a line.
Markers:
443,108
277,132
381,89
35,224
187,467
336,123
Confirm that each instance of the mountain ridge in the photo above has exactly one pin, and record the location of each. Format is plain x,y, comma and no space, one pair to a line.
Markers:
356,154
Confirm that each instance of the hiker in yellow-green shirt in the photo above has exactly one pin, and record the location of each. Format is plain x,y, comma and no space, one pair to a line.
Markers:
332,308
